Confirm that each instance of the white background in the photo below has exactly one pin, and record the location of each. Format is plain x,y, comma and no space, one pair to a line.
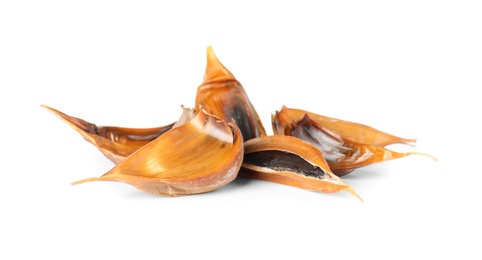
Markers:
410,68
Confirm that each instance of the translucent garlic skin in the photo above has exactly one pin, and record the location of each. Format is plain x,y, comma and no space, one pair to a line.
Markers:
222,95
116,143
199,156
290,161
342,154
222,137
282,124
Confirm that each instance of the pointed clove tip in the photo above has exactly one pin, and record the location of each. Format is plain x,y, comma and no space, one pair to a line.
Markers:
411,142
211,56
209,49
46,107
424,154
352,191
85,180
215,70
51,110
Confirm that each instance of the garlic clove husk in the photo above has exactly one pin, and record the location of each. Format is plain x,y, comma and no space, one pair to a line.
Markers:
283,120
343,155
222,95
290,161
116,143
199,156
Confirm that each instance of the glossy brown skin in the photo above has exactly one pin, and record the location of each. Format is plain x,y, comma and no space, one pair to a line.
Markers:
342,155
203,153
222,95
116,143
199,156
317,177
283,120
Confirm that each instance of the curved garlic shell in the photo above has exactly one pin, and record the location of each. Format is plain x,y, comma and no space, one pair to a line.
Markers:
222,95
116,143
343,155
283,120
199,156
290,161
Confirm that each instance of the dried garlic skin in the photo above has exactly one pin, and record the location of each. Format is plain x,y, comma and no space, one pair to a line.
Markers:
342,155
222,95
116,143
199,156
283,120
290,161
202,152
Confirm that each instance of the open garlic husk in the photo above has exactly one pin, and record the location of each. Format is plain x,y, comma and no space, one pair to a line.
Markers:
222,95
116,143
290,161
342,154
204,149
283,120
196,157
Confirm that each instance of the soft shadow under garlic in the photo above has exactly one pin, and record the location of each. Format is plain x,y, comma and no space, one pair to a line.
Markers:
196,157
290,161
116,143
222,95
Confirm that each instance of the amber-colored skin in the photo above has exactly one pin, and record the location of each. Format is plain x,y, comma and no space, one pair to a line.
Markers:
116,143
202,153
222,95
282,124
329,182
342,155
199,156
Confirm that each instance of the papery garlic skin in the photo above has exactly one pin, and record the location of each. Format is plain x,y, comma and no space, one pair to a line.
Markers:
342,154
283,120
314,174
116,143
199,156
222,95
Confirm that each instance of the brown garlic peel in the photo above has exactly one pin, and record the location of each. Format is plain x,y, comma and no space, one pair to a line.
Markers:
202,152
116,143
343,155
222,95
199,156
187,115
283,120
290,161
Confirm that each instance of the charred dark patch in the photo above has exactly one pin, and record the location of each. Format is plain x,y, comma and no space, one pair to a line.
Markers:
283,161
243,118
83,125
